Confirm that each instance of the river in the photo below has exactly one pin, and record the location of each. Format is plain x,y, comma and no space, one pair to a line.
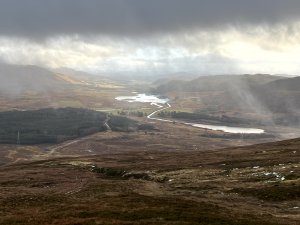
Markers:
163,103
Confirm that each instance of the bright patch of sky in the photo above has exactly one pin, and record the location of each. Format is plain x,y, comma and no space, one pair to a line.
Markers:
258,49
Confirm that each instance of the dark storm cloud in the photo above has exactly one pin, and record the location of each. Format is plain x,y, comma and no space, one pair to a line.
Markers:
46,18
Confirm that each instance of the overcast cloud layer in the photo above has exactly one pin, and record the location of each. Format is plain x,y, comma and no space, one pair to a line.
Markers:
203,36
43,18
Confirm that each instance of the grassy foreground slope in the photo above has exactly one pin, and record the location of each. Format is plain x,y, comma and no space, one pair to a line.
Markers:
246,185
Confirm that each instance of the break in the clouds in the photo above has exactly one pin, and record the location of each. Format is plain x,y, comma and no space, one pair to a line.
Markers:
203,36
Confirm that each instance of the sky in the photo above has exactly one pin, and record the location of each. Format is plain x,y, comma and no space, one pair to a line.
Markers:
153,36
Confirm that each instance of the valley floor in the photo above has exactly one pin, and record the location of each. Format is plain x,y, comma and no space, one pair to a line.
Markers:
167,137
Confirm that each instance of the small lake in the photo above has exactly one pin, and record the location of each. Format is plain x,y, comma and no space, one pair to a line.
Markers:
143,98
233,130
155,100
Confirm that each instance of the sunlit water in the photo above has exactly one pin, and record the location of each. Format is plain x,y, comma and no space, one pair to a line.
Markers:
233,130
155,100
143,98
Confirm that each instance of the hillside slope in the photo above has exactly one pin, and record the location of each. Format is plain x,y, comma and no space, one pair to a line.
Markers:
246,185
289,84
217,83
18,79
275,96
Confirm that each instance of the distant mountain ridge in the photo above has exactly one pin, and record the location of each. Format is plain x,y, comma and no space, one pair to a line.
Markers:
217,82
261,94
290,84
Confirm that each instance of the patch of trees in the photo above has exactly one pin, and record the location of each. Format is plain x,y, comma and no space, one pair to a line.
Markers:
49,125
124,124
58,125
194,117
121,173
237,136
132,113
112,172
146,127
121,123
287,120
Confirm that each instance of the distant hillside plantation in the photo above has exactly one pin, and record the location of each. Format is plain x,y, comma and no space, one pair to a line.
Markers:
49,125
18,79
57,125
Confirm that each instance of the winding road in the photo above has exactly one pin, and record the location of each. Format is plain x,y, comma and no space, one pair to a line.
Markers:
161,108
106,123
237,130
71,142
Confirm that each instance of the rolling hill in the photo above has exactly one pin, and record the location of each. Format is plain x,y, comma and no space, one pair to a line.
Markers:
216,83
16,80
289,84
275,96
